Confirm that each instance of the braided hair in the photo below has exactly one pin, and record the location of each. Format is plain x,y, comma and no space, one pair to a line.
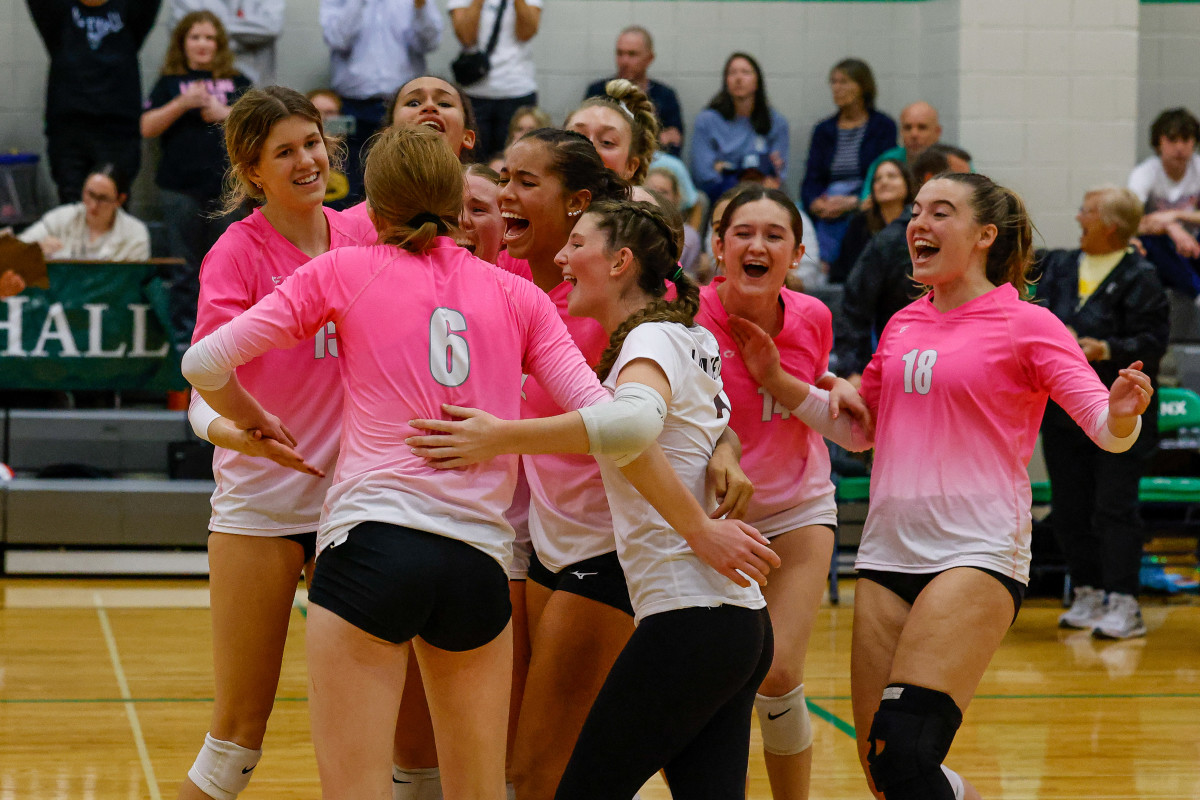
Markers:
646,231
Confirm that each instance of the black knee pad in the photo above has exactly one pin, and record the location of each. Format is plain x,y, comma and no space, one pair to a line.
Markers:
910,737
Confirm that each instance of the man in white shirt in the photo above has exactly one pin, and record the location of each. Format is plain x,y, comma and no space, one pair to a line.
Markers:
511,82
1168,184
375,47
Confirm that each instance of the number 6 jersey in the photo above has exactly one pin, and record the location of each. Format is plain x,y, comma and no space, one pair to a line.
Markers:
958,398
417,331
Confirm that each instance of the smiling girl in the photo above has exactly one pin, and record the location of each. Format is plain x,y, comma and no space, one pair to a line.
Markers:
958,386
759,240
268,499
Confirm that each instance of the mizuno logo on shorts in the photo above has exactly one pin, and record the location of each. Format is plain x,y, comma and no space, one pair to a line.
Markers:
582,575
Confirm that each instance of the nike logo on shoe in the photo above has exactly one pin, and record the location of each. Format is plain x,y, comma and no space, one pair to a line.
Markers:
773,717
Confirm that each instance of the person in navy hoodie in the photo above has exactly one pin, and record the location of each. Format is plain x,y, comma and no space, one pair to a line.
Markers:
94,90
842,148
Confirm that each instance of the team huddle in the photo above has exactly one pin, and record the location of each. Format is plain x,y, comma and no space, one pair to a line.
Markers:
570,513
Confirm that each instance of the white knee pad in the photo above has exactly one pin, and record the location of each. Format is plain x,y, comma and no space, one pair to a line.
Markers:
416,784
786,727
223,768
956,782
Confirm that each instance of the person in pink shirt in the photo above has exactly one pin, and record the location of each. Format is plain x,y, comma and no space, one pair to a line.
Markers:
759,240
267,503
681,693
957,389
579,612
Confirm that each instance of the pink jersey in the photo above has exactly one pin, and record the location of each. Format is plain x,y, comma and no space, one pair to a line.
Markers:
569,518
301,385
787,461
517,266
358,213
958,398
417,331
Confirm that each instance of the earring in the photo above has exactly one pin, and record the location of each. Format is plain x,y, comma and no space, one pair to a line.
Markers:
574,213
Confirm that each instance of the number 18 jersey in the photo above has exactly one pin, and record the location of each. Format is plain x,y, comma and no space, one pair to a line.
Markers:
958,398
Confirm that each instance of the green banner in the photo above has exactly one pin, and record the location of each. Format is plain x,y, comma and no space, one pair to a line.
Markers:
98,326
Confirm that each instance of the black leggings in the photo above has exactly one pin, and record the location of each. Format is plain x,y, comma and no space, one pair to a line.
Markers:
678,698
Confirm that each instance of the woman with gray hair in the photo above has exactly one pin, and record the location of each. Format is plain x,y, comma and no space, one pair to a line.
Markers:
1111,298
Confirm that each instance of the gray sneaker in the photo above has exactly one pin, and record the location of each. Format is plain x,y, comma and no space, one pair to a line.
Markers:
1086,611
1122,619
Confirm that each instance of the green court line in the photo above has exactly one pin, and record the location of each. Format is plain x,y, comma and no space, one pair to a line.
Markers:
831,718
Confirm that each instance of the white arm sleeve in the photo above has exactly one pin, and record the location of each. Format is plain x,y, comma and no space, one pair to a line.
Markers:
628,425
1105,439
201,367
814,412
201,415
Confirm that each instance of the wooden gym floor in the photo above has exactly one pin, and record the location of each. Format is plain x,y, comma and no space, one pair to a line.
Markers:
106,686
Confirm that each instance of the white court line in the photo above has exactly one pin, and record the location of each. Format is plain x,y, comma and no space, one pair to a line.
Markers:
130,711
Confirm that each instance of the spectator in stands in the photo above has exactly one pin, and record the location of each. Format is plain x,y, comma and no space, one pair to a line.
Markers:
842,148
185,110
635,54
94,92
252,26
524,120
1168,184
375,47
511,81
892,190
325,101
95,229
739,136
880,284
919,128
1111,299
663,181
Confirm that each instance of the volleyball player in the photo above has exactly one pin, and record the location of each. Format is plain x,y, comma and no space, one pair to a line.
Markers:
579,613
622,126
264,511
759,239
680,695
957,387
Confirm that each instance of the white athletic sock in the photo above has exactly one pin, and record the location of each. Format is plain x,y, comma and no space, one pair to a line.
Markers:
416,784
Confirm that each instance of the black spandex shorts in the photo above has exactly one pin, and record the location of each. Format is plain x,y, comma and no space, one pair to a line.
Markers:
306,540
908,585
397,583
599,578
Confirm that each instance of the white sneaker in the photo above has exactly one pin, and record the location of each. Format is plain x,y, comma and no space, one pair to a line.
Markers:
1086,611
1122,618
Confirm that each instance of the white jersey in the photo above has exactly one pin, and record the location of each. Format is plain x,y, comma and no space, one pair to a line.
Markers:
662,571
